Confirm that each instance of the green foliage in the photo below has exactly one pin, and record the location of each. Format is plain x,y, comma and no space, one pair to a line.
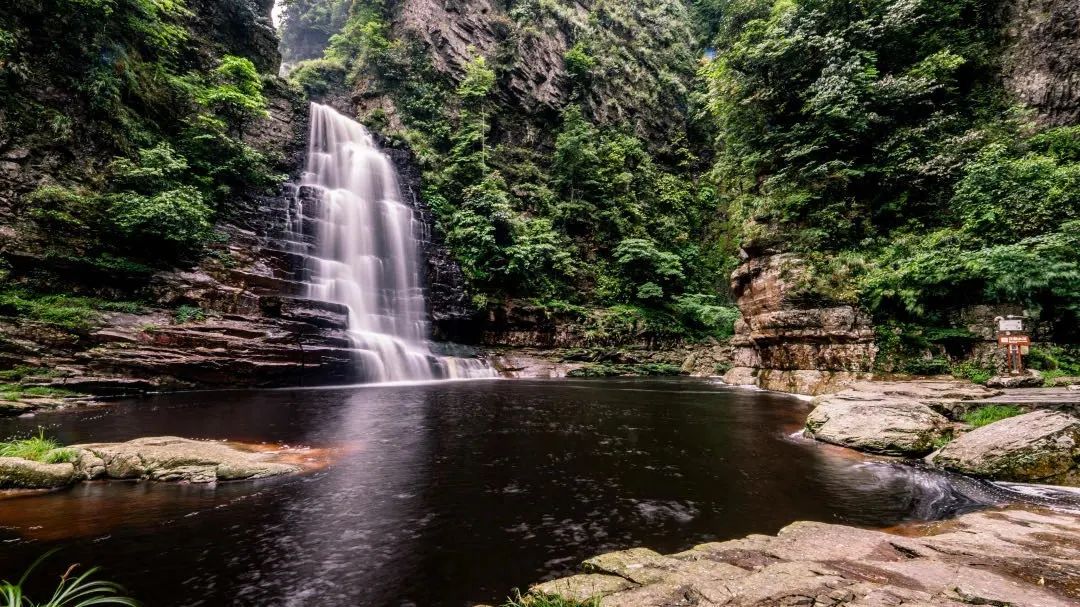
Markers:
611,370
234,93
36,448
971,371
177,217
72,591
1054,361
984,416
62,209
579,64
706,313
876,139
68,312
186,314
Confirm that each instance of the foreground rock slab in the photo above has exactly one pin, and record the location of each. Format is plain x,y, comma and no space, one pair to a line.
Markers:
1041,446
170,458
1009,557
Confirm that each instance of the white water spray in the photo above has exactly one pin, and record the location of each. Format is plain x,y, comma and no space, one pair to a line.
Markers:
366,254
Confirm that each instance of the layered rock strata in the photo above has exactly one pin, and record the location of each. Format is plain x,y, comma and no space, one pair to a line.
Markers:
782,344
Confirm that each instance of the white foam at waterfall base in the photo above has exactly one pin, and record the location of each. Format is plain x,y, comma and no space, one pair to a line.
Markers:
366,254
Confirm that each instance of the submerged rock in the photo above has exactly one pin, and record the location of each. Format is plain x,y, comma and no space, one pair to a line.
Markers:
1011,557
174,459
19,473
1041,446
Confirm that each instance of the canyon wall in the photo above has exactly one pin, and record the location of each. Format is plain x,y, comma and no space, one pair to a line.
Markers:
246,321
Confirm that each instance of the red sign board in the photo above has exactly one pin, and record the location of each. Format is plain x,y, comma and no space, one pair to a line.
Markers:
1014,340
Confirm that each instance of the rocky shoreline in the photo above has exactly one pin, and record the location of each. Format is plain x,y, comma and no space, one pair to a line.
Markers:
1010,557
1014,556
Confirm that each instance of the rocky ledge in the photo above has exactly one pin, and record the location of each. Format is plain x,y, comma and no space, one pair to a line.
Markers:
161,458
891,418
911,419
1009,557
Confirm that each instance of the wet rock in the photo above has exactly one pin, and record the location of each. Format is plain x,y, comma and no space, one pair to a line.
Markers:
582,587
889,425
1031,379
173,459
1041,446
1011,557
21,473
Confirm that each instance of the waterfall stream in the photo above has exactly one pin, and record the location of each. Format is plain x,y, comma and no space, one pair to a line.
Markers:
366,254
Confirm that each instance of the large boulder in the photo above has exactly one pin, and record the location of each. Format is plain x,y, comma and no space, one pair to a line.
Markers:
170,458
19,473
896,426
1041,446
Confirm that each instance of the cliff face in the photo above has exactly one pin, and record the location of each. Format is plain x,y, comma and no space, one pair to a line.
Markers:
248,323
528,41
781,345
786,343
1043,60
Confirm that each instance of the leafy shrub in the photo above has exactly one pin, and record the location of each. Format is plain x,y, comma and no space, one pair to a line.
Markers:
706,313
186,314
611,370
60,208
971,371
178,217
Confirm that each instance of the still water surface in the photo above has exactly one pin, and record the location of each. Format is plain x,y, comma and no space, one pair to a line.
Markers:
449,493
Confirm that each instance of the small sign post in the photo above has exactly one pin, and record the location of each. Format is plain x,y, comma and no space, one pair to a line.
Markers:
1011,336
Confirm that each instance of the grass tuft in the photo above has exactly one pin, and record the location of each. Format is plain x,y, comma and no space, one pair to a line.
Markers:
36,448
546,600
985,416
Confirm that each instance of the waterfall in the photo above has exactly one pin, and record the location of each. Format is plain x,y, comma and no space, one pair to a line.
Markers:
366,254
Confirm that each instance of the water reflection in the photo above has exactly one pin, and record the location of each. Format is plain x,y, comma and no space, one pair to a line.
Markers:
449,494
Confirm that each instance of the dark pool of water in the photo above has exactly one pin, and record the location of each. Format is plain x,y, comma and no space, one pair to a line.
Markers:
449,493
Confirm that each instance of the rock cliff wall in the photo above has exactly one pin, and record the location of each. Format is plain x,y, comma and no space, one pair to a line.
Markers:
1043,60
252,328
783,345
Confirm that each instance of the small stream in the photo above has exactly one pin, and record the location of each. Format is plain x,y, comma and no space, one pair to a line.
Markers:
452,493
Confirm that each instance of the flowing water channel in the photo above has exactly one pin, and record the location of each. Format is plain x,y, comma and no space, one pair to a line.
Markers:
450,493
366,253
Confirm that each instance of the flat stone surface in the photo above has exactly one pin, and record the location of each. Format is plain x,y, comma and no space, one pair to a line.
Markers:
1041,446
174,459
583,587
1007,557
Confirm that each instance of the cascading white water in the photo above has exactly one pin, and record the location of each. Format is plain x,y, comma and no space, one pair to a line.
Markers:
366,254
